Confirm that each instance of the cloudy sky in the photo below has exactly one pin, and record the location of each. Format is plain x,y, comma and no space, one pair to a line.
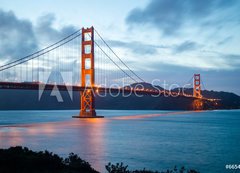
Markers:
164,39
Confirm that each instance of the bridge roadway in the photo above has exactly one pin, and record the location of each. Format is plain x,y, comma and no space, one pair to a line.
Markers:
126,90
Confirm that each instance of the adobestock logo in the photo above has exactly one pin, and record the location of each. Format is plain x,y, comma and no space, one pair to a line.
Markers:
55,83
139,89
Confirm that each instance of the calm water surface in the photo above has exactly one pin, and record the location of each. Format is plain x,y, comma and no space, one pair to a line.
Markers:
157,140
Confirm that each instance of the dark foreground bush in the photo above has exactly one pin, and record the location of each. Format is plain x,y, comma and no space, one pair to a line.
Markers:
23,160
121,168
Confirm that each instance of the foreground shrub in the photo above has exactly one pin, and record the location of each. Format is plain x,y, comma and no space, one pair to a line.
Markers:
120,168
23,160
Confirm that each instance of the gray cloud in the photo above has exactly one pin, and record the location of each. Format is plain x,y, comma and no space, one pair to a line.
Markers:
17,36
137,47
47,32
169,16
232,60
213,79
225,40
20,37
186,46
229,60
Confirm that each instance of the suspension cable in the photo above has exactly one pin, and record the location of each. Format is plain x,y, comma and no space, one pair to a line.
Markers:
119,57
40,50
190,80
25,60
115,62
203,84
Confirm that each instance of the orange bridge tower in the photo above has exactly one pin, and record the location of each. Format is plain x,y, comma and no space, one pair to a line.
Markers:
87,75
197,86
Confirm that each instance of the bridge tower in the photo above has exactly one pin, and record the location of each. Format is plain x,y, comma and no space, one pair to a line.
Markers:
197,86
87,75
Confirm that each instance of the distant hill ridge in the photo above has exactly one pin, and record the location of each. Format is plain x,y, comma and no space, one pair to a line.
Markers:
13,99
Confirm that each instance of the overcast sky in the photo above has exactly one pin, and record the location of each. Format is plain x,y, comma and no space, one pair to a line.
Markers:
164,39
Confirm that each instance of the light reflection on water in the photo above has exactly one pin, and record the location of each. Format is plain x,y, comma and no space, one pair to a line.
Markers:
85,136
152,139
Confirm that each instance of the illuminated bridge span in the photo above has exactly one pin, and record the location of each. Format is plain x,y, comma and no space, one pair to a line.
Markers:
90,68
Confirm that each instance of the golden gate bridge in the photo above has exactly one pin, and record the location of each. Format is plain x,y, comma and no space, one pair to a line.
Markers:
85,62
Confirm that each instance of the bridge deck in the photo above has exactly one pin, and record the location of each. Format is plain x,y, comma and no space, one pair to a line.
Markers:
42,86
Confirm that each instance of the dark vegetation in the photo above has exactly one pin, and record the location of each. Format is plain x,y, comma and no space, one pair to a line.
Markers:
23,160
121,168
